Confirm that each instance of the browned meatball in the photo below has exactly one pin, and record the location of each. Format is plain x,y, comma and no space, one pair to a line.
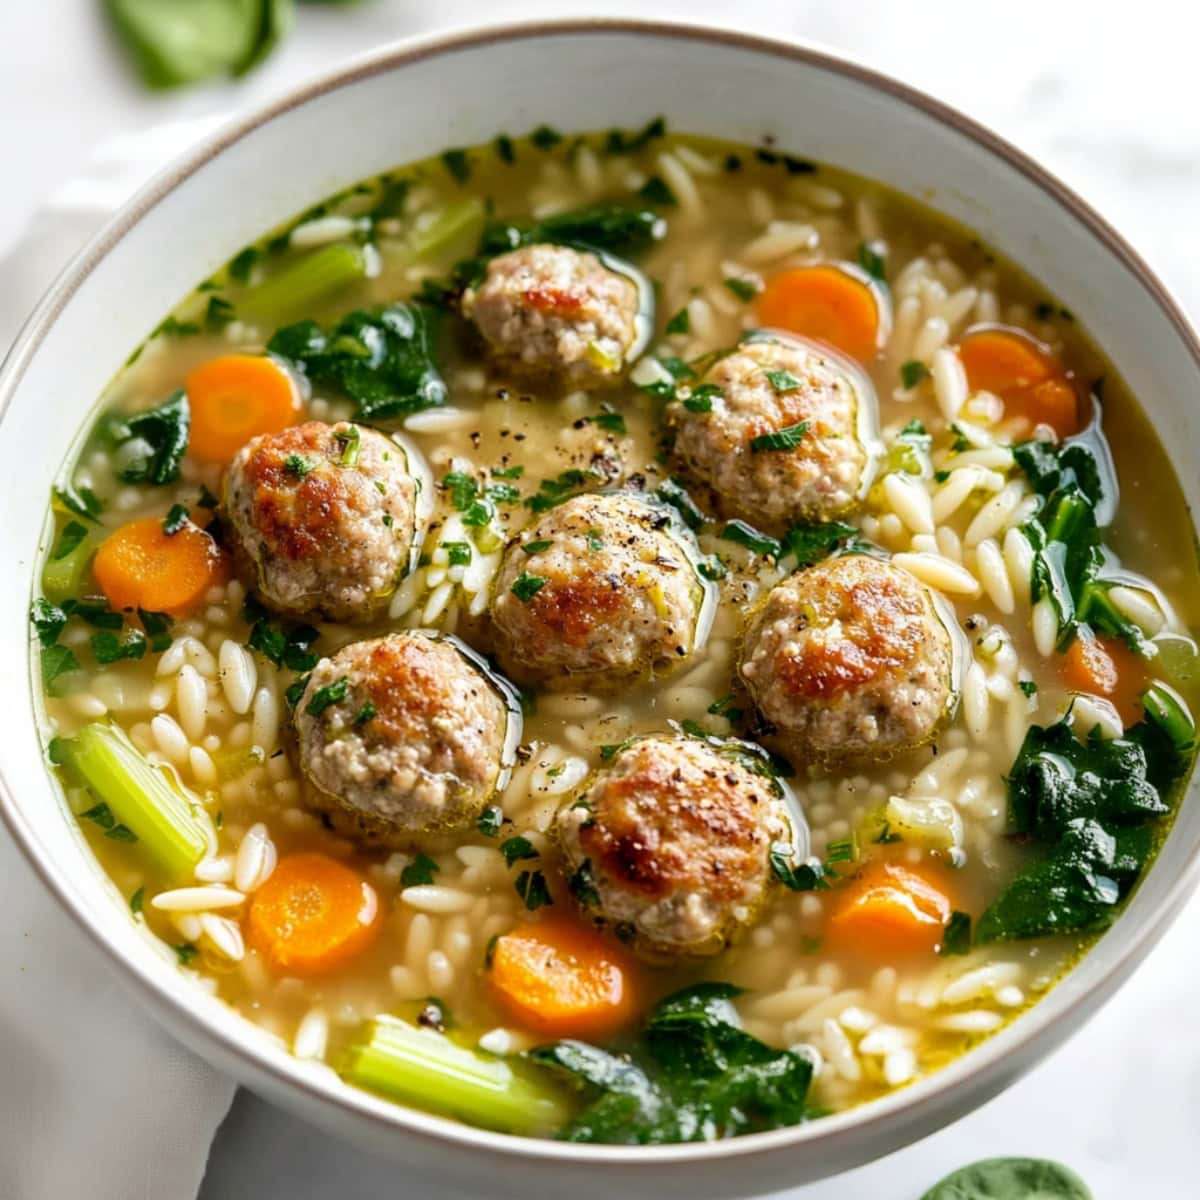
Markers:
324,518
604,585
768,384
554,310
850,659
404,735
671,842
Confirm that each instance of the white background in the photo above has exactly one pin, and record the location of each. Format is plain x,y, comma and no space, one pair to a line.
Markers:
1105,95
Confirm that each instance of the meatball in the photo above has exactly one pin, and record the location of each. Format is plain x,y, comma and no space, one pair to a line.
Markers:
768,384
671,843
323,518
850,659
604,586
553,310
404,735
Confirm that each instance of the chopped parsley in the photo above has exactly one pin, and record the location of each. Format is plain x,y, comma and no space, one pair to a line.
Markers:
458,164
724,707
48,620
872,262
514,472
537,547
517,849
672,492
582,885
159,437
681,322
787,438
107,647
72,535
783,381
956,939
364,714
609,420
544,137
1027,686
57,661
330,693
136,901
458,553
490,820
655,191
594,540
913,372
531,887
552,492
186,953
175,519
619,142
527,586
505,149
699,399
743,289
419,872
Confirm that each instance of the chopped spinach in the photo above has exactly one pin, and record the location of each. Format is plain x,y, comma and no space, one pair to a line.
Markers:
693,1075
156,440
913,372
81,501
175,519
752,539
283,645
656,191
680,322
381,358
620,142
582,885
811,543
48,620
552,492
1090,807
872,262
72,535
57,662
109,648
517,849
956,938
545,138
672,492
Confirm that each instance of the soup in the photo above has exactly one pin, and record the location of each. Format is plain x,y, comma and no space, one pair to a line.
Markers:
623,637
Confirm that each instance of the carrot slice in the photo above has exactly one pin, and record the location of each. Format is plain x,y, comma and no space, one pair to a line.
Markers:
237,397
1106,667
887,909
1026,376
312,915
824,302
563,979
140,566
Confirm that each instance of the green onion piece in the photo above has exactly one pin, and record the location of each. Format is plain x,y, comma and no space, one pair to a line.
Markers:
428,1070
291,292
140,796
456,228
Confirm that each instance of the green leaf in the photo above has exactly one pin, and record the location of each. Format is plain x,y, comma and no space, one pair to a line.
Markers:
743,289
517,849
913,372
490,820
1011,1179
656,191
176,43
783,381
364,714
160,439
48,621
58,662
136,901
527,586
109,648
419,872
330,693
609,420
175,519
872,262
679,498
582,885
72,535
381,358
531,887
537,547
680,322
620,142
787,438
956,939
82,501
752,539
545,138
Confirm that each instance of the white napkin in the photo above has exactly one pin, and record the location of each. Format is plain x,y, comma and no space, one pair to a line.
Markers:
96,1101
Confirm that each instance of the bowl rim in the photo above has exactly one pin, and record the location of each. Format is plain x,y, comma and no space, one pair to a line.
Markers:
1036,1033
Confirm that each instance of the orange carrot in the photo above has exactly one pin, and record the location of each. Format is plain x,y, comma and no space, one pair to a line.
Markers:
562,979
140,566
236,397
887,909
1106,667
1024,374
312,915
824,302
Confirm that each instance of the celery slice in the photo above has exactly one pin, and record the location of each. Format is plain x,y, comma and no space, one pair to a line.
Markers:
457,226
292,291
63,578
139,794
428,1070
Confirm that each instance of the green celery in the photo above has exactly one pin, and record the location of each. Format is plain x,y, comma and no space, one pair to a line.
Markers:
140,795
292,291
63,578
457,226
427,1069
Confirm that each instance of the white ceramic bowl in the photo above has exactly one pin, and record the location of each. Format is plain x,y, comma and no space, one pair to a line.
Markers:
415,100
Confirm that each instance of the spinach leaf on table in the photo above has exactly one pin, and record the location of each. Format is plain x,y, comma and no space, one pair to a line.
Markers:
695,1075
1011,1179
381,358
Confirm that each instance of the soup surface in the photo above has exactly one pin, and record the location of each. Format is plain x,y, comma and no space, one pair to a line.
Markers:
620,637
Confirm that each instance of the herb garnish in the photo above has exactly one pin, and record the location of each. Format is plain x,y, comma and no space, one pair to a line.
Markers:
787,438
329,694
419,872
527,586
